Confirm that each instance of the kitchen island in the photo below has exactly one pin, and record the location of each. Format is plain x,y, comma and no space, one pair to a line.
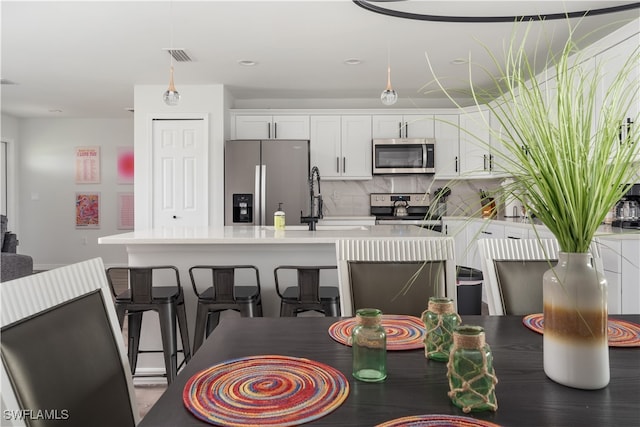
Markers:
261,246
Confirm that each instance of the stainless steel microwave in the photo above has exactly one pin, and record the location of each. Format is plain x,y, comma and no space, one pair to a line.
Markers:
403,156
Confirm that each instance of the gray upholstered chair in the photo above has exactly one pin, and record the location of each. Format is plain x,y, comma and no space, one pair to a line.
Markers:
377,273
513,270
62,351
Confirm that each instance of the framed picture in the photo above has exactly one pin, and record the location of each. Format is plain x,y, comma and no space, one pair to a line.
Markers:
125,165
87,165
125,211
87,210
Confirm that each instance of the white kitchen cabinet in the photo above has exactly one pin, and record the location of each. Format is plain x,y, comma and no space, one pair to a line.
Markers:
481,229
403,126
341,146
447,151
610,62
271,127
630,276
457,228
475,144
610,250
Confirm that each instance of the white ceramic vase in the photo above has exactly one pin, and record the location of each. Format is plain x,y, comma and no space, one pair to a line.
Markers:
576,351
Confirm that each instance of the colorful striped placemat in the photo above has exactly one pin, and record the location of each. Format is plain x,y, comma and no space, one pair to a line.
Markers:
437,420
403,332
267,390
621,333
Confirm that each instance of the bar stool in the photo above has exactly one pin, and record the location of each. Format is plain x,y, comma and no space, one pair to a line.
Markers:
144,295
222,294
307,294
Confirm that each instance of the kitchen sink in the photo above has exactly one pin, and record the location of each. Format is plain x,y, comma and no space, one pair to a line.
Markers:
320,227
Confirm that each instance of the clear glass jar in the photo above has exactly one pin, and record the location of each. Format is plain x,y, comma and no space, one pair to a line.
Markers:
472,379
440,319
369,345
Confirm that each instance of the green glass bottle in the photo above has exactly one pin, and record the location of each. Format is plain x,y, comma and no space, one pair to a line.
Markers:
369,345
440,319
472,379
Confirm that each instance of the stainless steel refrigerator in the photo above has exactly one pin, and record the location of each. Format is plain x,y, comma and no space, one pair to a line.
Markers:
261,174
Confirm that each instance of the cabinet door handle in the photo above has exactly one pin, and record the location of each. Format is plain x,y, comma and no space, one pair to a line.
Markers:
275,130
484,161
399,129
487,232
513,237
446,229
456,163
406,129
269,130
491,162
629,123
338,164
344,165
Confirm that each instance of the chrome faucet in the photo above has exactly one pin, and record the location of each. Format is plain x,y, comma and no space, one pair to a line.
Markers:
315,209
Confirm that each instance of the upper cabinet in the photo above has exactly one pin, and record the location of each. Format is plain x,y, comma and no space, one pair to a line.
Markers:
341,146
447,152
271,127
403,126
609,63
477,159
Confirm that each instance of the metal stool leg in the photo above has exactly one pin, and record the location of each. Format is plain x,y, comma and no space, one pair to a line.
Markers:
167,315
184,330
213,318
201,320
133,338
121,311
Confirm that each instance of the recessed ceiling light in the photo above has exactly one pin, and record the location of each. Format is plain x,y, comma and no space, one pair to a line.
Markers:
247,63
460,61
352,61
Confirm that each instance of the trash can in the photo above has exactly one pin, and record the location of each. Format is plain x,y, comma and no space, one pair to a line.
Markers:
469,290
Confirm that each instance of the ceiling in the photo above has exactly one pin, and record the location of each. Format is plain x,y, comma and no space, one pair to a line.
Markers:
83,59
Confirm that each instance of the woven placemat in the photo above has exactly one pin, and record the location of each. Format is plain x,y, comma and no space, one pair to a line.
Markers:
437,420
403,332
268,390
621,333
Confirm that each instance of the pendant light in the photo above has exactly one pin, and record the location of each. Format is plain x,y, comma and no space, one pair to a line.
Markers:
389,96
171,96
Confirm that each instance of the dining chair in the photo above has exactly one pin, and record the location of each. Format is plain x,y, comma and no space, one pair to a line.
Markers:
152,288
306,293
513,270
222,293
395,275
62,351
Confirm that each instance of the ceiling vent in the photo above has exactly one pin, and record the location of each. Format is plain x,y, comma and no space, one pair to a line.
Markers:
180,55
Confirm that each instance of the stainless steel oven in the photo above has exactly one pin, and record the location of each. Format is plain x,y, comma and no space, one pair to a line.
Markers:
403,208
403,156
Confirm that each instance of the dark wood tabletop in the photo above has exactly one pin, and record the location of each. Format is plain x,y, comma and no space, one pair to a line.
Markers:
415,385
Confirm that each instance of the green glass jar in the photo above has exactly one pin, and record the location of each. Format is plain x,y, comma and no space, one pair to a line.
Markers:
369,345
440,319
472,379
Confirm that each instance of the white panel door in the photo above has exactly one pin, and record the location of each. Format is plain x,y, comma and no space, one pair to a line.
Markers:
180,184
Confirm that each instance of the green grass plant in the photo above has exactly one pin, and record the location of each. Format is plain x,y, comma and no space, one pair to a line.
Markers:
561,139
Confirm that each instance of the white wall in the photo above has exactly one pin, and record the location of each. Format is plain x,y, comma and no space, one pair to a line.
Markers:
10,135
46,189
195,101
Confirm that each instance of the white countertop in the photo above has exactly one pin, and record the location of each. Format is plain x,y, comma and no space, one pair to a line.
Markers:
603,230
263,235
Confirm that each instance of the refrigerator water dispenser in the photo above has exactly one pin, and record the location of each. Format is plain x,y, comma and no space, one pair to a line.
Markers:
242,208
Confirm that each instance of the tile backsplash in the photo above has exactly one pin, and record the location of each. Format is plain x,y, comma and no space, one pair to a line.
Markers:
344,198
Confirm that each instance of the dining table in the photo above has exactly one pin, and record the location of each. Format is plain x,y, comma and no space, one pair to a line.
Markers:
416,385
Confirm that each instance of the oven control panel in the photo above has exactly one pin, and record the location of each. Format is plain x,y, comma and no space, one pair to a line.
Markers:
389,199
